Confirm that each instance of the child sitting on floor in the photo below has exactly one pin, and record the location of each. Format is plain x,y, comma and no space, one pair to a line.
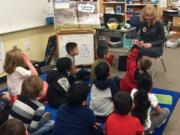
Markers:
59,82
134,69
144,101
102,54
102,91
74,117
29,110
13,127
15,66
72,50
121,122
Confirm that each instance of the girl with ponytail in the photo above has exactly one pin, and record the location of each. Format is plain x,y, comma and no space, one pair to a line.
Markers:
141,108
146,107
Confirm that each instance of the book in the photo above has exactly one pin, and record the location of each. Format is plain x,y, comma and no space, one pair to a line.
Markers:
87,14
164,99
118,9
109,10
66,17
76,14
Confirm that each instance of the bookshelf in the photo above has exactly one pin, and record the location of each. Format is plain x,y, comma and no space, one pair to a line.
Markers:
135,8
125,9
113,7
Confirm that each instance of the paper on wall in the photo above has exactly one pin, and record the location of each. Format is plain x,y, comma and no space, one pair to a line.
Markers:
48,8
162,3
61,4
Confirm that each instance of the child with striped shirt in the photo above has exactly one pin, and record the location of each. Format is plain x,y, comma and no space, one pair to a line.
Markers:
29,110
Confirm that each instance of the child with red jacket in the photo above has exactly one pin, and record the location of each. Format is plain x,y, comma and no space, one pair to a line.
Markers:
134,69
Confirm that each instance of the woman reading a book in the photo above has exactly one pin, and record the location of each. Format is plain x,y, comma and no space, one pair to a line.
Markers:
152,35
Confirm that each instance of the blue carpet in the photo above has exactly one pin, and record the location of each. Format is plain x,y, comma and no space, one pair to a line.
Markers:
52,111
157,131
175,96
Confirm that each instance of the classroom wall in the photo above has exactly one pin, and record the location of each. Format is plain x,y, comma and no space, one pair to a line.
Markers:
32,41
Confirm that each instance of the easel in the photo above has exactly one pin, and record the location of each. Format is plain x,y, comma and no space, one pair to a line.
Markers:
85,37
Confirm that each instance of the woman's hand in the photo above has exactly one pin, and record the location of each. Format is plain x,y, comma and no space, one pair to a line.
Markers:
135,41
147,45
138,43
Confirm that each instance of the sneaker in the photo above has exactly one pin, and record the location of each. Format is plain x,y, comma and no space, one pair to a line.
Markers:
170,44
164,121
46,117
151,132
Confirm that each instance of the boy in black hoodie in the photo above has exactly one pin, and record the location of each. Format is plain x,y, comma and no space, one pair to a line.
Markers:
102,92
59,82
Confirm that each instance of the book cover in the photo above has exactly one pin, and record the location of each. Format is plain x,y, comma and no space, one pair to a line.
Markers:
87,13
74,14
65,14
118,9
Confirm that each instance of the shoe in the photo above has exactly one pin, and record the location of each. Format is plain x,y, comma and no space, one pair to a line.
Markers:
170,44
46,117
151,132
164,121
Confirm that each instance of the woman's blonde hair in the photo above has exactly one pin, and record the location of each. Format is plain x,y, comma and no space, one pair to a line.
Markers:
13,59
149,9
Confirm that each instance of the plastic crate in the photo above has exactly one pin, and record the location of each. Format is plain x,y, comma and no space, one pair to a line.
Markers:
127,42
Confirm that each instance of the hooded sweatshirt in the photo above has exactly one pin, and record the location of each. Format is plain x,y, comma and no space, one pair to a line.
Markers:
102,92
58,86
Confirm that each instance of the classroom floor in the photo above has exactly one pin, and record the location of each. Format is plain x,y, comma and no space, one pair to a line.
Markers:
171,81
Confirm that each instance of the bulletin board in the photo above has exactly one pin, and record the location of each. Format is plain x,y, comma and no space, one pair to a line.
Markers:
85,41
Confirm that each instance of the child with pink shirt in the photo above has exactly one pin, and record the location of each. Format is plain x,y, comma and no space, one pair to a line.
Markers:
18,67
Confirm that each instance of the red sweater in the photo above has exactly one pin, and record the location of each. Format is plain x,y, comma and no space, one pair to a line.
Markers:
123,125
127,83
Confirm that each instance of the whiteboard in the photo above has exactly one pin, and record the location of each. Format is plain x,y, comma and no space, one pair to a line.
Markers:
18,15
85,45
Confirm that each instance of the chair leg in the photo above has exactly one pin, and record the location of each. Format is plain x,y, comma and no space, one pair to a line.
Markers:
154,69
163,64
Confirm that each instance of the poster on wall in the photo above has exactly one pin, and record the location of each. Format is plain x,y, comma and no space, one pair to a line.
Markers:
76,14
163,3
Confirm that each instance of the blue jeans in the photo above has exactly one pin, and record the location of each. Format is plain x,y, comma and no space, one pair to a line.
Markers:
44,128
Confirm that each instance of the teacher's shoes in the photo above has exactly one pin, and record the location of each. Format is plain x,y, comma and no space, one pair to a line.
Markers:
171,44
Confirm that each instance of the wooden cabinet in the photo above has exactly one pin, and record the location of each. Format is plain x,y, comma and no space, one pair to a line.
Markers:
176,21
